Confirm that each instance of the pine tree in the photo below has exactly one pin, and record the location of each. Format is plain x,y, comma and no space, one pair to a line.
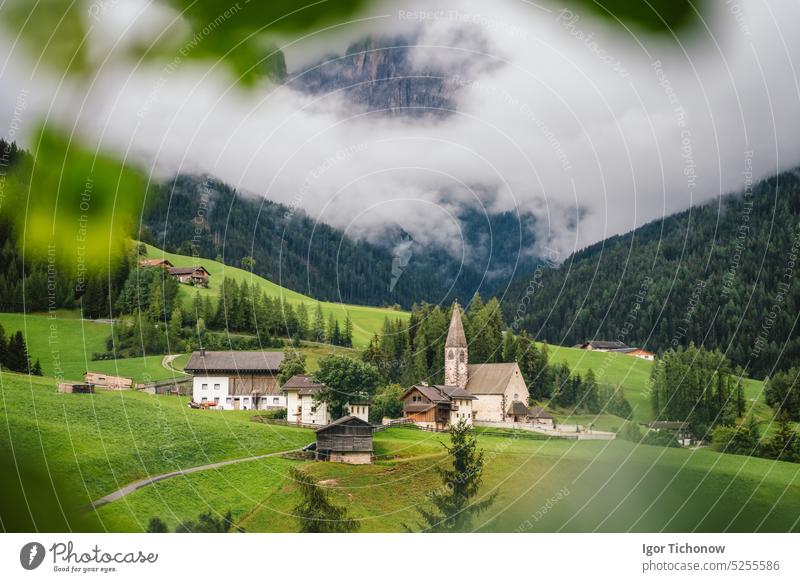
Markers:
37,368
302,321
453,503
315,513
347,336
329,328
17,354
3,346
175,329
318,328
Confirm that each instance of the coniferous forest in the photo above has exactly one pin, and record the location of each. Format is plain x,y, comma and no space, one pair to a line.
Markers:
723,275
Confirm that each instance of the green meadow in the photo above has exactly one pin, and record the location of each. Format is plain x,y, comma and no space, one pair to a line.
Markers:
541,485
366,320
90,445
633,375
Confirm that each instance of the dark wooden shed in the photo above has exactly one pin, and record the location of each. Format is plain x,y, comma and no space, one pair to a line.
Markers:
347,440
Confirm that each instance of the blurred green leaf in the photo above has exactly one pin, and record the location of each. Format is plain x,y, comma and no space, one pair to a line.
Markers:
80,204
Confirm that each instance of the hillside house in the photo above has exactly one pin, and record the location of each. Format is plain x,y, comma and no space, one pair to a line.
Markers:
358,409
540,417
346,440
602,346
437,407
163,263
494,386
301,406
639,353
236,380
191,275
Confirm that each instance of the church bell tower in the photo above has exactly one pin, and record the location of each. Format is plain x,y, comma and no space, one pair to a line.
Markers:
455,352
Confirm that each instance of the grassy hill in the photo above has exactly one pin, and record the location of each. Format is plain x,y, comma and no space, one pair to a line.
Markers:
597,486
366,320
89,445
633,375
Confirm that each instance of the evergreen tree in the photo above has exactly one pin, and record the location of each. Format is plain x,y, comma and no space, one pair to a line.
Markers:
454,503
303,329
37,368
347,335
175,329
315,513
17,354
318,328
330,329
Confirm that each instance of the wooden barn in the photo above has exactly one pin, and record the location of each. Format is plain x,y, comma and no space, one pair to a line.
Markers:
163,263
108,382
74,388
236,380
347,440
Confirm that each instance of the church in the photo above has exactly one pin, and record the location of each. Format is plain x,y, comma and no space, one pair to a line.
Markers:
498,391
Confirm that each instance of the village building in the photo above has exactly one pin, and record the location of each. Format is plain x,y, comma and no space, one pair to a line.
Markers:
358,409
640,353
236,380
436,407
498,388
191,275
346,440
163,263
602,346
301,405
108,382
540,417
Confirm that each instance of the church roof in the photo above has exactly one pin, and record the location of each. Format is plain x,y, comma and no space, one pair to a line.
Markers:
490,378
455,335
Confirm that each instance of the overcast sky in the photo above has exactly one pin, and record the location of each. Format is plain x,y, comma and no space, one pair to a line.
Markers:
556,116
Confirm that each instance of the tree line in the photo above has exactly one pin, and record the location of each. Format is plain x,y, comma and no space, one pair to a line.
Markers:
14,354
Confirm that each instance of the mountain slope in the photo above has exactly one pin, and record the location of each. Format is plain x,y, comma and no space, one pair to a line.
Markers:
195,215
366,320
723,275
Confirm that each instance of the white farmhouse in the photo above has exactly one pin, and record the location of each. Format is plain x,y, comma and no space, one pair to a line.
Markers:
301,404
236,380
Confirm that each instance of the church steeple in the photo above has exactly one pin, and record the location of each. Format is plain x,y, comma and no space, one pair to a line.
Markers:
455,351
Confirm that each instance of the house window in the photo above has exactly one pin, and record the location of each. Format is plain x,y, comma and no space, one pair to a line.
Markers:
276,400
245,400
204,399
204,387
216,400
216,386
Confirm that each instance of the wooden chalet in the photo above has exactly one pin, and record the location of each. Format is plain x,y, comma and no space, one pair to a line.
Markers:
438,406
602,346
196,275
75,388
347,440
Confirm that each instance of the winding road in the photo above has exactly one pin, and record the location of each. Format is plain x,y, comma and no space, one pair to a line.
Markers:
136,485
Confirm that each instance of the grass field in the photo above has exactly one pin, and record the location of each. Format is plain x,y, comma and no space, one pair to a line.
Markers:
366,320
633,375
89,445
591,486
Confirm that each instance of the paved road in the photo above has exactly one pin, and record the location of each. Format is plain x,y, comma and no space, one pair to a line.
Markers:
136,485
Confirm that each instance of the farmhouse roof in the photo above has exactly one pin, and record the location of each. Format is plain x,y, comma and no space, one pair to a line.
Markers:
668,425
440,393
538,412
455,335
352,420
236,362
302,384
517,408
490,378
604,345
154,263
187,270
418,406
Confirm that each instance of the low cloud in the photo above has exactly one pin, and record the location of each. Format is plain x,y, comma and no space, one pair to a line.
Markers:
591,131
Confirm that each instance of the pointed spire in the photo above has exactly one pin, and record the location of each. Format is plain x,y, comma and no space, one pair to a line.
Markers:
455,336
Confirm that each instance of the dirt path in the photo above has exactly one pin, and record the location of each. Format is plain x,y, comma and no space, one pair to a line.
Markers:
167,363
136,485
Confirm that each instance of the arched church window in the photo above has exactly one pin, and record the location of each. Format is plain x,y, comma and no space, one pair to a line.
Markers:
461,357
451,355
